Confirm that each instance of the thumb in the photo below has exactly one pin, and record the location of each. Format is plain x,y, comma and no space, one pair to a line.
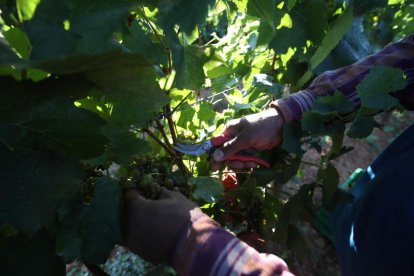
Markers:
229,148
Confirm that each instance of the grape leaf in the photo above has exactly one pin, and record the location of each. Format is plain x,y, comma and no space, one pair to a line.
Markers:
313,122
39,114
374,89
124,144
363,6
333,36
207,189
329,178
20,255
298,208
19,41
184,13
263,83
283,38
26,9
136,40
132,88
7,56
332,105
291,137
34,181
361,127
91,231
38,125
190,73
64,28
264,9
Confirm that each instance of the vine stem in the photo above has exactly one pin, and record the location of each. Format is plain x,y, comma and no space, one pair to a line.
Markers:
161,143
183,168
171,124
160,128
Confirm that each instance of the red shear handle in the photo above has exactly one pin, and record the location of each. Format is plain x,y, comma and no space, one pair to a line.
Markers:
247,158
221,139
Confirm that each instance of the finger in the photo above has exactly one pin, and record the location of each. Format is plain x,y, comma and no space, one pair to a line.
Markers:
235,164
230,148
241,165
215,166
232,128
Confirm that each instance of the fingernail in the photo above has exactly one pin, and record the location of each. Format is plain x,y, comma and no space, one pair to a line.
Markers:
218,155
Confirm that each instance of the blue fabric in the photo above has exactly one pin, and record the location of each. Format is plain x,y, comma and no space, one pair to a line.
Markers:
374,235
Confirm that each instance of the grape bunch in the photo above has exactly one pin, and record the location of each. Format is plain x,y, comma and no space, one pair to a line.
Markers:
149,173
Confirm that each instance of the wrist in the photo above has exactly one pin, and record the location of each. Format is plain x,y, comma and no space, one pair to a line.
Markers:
282,111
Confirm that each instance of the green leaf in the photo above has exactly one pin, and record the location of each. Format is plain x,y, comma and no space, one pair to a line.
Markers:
299,208
195,117
335,33
90,231
374,89
19,41
363,6
132,88
329,178
124,144
333,36
7,56
190,73
207,189
332,105
316,22
184,13
44,113
291,137
263,9
337,140
361,127
313,122
283,38
62,28
34,181
20,255
26,8
263,83
139,42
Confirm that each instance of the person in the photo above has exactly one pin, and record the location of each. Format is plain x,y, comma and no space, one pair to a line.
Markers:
373,234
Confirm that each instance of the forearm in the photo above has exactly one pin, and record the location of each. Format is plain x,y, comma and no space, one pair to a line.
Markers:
398,55
205,248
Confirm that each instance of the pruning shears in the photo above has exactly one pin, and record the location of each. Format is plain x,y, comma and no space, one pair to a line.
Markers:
208,147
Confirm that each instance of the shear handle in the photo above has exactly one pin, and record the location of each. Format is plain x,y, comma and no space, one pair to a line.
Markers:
221,139
248,158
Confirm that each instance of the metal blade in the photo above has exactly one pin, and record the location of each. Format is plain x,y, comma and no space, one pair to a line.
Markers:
195,149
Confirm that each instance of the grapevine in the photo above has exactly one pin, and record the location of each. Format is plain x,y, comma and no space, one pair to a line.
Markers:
94,96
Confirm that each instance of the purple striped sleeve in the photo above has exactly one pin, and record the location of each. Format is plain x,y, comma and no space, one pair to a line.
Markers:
345,80
205,248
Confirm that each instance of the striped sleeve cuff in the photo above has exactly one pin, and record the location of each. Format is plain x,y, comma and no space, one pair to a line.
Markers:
293,106
207,249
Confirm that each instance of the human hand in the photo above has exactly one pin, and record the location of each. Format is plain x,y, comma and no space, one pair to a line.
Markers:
152,227
258,131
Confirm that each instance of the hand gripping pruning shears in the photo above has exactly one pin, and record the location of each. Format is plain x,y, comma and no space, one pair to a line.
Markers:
207,147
